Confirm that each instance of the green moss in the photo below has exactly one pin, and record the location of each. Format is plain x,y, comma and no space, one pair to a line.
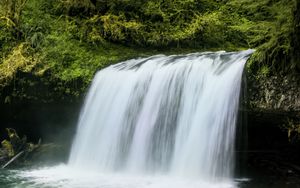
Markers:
63,43
16,61
268,26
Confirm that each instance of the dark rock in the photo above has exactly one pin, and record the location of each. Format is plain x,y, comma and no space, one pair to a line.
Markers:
274,93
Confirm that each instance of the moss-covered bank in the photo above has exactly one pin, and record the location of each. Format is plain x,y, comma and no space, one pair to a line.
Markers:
50,50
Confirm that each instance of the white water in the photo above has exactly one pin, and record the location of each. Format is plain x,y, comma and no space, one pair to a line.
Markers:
158,122
170,115
66,177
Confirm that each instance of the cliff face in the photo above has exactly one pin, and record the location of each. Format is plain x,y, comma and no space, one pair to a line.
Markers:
274,93
273,105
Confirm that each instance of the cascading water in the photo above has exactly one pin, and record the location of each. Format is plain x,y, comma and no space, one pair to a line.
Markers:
157,122
171,115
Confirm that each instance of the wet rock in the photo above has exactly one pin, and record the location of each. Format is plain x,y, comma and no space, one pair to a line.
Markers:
274,93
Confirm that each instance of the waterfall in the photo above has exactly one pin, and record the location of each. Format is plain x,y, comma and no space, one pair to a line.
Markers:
173,115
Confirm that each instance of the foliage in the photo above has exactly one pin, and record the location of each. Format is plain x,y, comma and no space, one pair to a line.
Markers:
11,11
292,128
6,145
265,25
63,42
268,28
19,59
296,38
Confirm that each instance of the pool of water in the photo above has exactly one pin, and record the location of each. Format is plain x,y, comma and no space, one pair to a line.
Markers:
62,176
66,177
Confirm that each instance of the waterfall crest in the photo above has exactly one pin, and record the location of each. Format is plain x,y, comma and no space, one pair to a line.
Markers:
174,115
